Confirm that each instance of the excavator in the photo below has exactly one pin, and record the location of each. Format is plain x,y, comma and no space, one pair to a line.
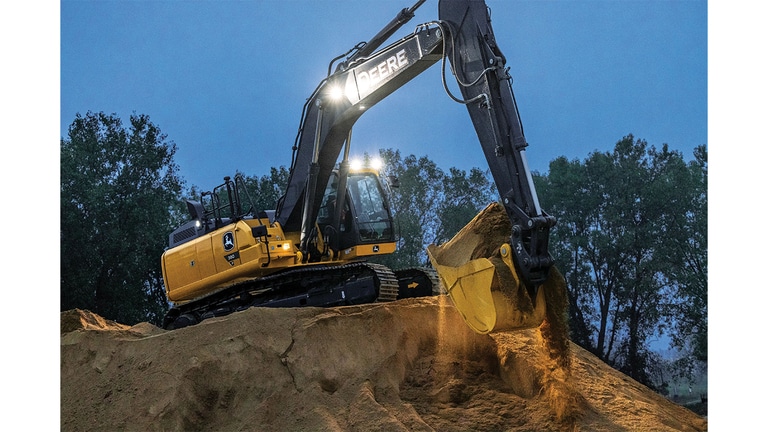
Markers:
316,247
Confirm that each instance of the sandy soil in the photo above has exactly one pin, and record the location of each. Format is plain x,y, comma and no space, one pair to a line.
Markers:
409,365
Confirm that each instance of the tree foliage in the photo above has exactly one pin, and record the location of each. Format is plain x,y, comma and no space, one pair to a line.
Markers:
687,258
629,222
430,205
266,190
464,195
119,200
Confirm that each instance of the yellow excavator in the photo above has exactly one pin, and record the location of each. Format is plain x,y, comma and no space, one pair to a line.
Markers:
314,248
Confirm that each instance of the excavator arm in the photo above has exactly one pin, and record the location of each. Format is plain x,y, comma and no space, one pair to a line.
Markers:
479,68
464,37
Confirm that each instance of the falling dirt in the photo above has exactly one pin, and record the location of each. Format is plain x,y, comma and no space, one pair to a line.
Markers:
409,365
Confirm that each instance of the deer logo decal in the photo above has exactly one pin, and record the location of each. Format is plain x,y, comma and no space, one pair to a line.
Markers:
229,241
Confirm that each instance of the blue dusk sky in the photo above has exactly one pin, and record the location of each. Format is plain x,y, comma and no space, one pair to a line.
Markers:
227,80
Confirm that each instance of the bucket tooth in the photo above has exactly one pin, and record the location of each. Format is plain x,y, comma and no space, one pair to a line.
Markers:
477,271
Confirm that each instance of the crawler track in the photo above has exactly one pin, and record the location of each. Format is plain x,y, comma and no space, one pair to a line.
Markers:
320,286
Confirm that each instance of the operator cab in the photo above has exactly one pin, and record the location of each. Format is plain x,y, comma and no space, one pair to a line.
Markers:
365,217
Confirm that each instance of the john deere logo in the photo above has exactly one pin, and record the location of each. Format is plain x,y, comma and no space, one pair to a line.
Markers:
229,241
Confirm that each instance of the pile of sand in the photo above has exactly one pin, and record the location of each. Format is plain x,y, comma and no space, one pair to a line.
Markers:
410,365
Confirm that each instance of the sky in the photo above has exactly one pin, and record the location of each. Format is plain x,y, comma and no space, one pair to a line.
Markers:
226,80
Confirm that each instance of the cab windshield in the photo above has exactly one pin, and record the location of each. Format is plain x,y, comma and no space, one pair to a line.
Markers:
365,204
373,219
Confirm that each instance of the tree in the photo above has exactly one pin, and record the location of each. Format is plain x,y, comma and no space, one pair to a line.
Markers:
431,206
413,202
646,197
119,200
463,197
565,194
266,190
688,262
617,241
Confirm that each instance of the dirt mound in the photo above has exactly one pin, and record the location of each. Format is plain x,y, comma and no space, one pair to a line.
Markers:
77,319
410,365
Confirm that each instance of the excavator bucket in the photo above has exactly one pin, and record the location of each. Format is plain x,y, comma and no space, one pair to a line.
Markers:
477,271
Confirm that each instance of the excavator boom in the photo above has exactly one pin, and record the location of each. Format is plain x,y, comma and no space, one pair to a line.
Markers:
333,109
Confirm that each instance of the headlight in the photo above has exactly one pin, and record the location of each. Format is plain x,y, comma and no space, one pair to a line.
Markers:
376,163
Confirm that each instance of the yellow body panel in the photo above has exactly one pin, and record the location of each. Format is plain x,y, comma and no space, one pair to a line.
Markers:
232,254
223,257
